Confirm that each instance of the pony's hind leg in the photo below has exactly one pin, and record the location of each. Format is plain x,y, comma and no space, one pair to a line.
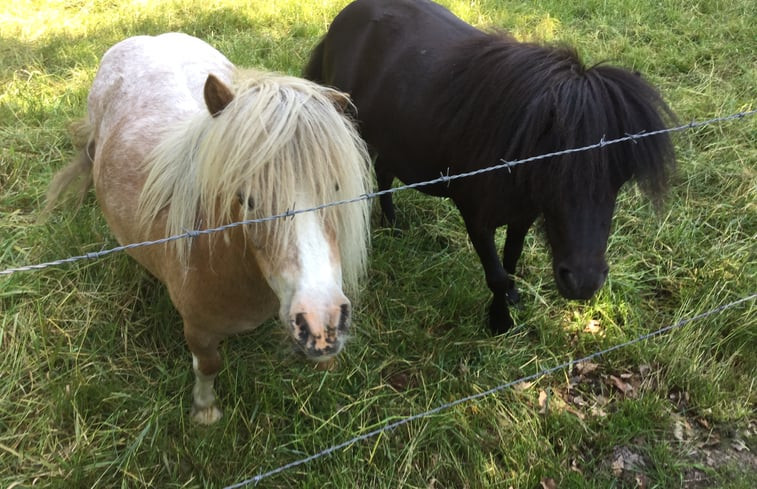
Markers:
206,362
384,179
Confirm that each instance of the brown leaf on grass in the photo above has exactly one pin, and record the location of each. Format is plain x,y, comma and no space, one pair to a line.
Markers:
585,368
593,327
641,481
522,386
644,370
623,387
682,429
627,463
543,402
548,483
400,380
618,464
598,412
678,431
712,440
739,445
679,398
575,412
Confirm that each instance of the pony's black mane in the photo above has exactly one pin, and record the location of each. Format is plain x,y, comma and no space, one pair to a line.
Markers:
511,100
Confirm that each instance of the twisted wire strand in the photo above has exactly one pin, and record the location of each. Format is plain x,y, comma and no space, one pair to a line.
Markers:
442,179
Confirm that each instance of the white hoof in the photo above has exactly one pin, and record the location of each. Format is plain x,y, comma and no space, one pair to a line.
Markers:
207,415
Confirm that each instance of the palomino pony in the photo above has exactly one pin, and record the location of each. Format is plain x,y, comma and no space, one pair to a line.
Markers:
436,96
177,139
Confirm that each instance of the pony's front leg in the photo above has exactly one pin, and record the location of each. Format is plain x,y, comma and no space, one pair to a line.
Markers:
206,362
516,235
496,276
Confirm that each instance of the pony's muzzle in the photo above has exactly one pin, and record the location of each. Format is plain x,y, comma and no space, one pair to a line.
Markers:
580,282
321,335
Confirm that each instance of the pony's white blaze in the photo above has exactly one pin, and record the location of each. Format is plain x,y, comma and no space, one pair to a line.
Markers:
309,287
318,307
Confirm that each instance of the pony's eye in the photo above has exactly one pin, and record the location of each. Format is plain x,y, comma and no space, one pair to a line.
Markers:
250,201
336,187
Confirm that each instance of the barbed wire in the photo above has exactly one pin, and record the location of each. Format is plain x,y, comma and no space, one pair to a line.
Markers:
486,393
371,195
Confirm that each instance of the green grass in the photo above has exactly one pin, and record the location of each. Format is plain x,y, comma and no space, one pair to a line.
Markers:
95,378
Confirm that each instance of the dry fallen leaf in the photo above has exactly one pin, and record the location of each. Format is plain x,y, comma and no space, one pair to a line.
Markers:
618,465
543,401
739,445
597,411
521,386
703,423
623,387
678,430
593,327
641,481
713,440
682,430
644,370
575,412
585,368
548,483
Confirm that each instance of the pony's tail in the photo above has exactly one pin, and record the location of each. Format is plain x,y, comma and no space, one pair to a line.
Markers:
77,175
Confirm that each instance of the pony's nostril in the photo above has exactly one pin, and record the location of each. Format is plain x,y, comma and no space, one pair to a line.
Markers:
302,327
566,276
344,318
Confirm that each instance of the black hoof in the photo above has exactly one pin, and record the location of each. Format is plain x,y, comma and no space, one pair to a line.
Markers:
499,318
512,296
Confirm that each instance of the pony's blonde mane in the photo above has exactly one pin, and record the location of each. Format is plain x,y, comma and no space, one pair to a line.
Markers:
278,135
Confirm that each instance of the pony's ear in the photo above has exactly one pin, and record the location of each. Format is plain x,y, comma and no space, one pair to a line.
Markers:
341,100
217,95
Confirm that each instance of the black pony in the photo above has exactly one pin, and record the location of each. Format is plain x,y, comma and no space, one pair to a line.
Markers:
436,96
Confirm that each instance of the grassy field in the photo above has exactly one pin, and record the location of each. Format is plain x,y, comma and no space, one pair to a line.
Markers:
95,379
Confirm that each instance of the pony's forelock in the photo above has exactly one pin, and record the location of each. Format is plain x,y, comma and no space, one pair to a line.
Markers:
280,135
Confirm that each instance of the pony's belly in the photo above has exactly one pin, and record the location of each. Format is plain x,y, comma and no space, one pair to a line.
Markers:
221,303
